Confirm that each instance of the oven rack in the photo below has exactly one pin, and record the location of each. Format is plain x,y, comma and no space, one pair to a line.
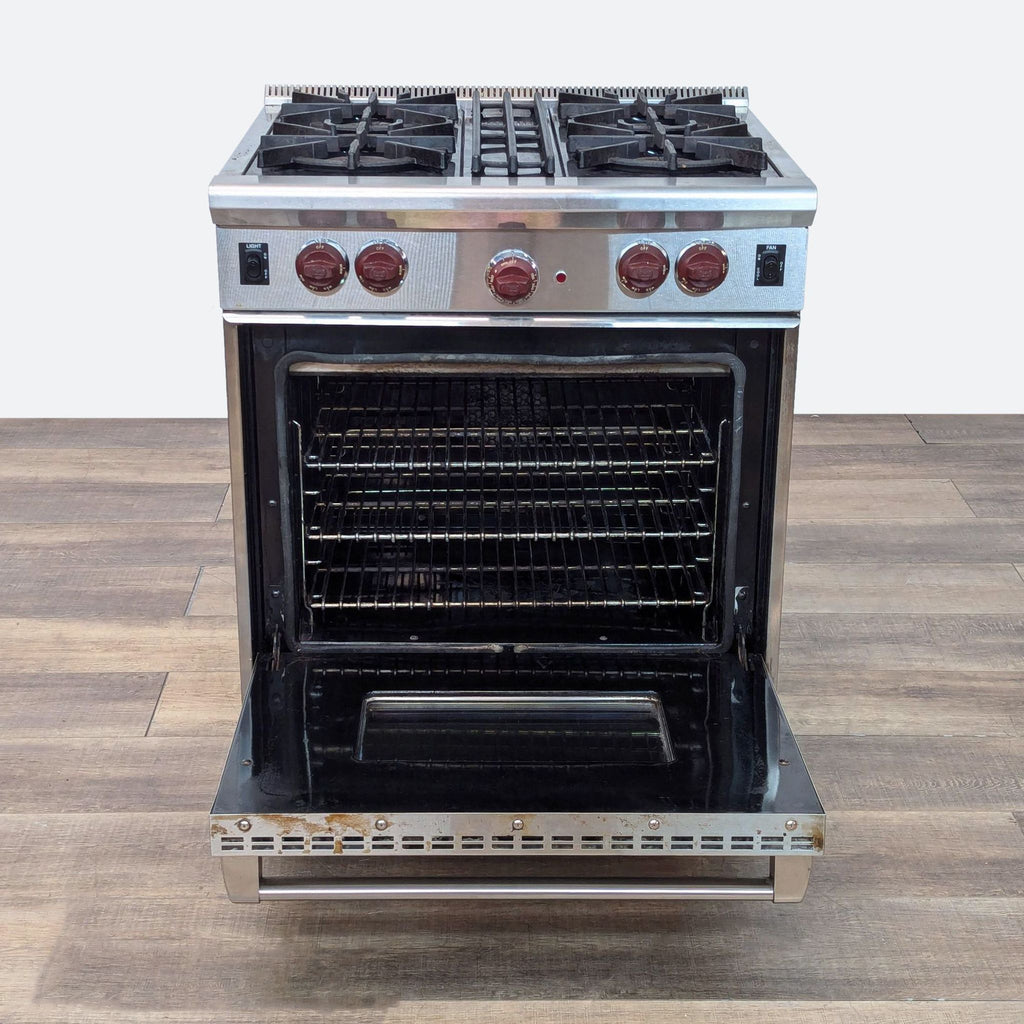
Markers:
484,505
435,670
505,575
500,424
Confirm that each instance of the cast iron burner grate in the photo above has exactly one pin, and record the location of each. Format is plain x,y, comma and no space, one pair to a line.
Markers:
314,135
512,138
696,135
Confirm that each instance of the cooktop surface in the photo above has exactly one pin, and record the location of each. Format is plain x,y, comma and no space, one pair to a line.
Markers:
506,135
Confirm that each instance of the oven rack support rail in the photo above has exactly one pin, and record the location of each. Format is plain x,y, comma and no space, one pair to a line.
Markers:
786,883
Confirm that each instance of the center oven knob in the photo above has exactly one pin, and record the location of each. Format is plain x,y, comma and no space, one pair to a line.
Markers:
381,266
322,266
512,276
701,267
642,267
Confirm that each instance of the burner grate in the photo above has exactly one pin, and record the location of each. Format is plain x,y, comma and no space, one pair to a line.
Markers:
692,135
512,137
415,134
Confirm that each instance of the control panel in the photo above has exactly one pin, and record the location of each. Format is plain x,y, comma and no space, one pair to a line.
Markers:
561,270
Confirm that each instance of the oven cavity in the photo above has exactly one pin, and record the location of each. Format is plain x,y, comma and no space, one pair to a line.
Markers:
556,508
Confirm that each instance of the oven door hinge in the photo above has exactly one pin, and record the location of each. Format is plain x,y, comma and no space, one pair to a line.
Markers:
275,654
741,649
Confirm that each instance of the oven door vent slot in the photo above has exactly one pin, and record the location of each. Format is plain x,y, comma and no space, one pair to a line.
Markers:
514,843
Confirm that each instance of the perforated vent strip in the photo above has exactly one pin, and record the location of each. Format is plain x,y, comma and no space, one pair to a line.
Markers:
277,93
517,843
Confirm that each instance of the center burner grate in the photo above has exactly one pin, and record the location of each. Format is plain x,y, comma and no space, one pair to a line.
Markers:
512,137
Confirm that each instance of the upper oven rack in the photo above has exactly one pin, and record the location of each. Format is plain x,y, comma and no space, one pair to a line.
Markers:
409,427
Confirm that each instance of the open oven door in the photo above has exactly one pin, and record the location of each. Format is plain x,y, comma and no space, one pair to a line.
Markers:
491,754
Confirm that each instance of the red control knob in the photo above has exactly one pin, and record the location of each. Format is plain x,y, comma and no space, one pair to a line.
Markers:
642,267
322,266
512,276
381,266
701,268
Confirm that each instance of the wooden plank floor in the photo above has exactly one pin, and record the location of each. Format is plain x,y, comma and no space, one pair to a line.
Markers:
903,674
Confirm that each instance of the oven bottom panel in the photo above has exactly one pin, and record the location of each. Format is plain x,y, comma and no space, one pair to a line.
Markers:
459,756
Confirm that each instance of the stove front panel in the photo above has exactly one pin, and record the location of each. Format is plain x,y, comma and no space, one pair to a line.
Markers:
576,269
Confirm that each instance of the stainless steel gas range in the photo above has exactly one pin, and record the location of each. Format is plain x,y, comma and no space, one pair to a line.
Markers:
510,378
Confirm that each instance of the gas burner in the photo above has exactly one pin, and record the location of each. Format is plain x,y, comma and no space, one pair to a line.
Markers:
692,135
318,135
512,138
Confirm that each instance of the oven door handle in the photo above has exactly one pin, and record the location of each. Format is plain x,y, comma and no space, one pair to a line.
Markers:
786,883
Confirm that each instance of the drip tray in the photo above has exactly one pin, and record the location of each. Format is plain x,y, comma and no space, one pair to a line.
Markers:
513,728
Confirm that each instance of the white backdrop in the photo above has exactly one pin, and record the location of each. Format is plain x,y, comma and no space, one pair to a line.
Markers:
117,115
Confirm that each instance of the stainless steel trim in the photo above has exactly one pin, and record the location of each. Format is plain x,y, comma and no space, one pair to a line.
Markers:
237,466
241,878
783,465
790,876
737,321
249,202
516,889
554,366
